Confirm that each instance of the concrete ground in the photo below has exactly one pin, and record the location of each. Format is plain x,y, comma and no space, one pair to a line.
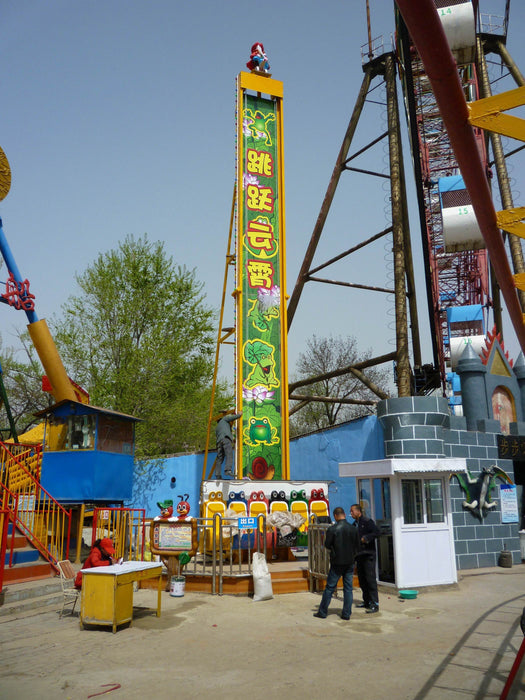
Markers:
447,644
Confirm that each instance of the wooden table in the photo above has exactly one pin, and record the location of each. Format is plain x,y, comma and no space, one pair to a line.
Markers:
107,592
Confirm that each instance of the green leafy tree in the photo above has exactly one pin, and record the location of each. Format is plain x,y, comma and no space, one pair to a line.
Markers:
323,356
22,379
139,338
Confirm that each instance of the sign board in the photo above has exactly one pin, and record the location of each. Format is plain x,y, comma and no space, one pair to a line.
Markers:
247,523
511,447
509,503
173,537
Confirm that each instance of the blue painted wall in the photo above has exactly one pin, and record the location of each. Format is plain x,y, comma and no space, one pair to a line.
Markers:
317,456
312,457
152,482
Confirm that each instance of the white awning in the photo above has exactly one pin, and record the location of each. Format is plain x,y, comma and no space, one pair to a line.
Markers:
389,467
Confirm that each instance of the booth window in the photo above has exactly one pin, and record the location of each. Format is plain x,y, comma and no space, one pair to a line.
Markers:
412,501
364,496
418,510
434,501
70,433
115,435
80,433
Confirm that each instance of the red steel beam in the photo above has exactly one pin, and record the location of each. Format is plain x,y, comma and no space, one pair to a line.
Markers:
426,30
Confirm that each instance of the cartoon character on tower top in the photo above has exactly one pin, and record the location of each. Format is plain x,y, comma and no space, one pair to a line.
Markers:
258,59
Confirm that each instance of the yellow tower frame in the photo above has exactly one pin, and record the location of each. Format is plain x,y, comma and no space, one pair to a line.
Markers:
489,114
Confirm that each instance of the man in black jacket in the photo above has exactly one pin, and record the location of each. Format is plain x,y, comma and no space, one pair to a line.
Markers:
366,559
343,542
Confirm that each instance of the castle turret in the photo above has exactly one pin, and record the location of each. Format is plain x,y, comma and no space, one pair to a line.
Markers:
471,371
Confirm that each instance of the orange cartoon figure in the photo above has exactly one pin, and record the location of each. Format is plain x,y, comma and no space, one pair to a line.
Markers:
183,507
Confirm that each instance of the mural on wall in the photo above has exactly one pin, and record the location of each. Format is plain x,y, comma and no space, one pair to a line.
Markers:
499,365
478,489
261,323
503,408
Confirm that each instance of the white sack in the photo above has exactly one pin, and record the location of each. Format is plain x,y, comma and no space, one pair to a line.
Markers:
262,580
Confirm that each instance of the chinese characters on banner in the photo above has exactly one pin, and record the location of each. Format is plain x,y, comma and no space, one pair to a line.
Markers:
261,302
511,447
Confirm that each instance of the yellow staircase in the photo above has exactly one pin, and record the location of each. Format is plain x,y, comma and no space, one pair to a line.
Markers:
27,508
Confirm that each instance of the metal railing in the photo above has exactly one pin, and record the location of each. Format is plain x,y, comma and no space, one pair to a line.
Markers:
4,526
18,463
125,526
32,510
226,551
318,555
494,24
373,49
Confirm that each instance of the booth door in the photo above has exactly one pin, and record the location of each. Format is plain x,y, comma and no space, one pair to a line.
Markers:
374,498
426,548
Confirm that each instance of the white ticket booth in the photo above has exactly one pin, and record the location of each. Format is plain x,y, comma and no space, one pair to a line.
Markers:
409,499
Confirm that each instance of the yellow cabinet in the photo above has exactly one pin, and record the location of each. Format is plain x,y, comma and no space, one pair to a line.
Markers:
107,592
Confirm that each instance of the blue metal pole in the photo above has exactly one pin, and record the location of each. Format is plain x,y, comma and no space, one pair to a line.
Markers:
13,268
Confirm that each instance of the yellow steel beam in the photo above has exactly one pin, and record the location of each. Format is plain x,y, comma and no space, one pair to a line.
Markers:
285,435
230,260
519,281
511,220
80,527
244,81
260,83
488,113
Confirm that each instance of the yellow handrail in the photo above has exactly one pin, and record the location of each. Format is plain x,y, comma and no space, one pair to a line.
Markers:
44,522
125,526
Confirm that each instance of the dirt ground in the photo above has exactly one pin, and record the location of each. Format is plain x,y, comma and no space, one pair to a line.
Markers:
456,643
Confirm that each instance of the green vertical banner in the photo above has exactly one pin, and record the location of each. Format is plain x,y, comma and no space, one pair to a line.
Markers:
262,387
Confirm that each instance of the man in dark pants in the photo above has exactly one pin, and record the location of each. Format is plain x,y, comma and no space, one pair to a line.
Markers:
224,438
366,559
342,540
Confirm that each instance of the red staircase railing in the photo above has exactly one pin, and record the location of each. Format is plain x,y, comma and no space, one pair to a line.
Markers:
4,521
31,509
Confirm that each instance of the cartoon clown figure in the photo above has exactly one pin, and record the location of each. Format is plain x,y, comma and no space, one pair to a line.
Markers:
258,59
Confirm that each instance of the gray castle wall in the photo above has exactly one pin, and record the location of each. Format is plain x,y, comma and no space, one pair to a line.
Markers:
420,427
478,543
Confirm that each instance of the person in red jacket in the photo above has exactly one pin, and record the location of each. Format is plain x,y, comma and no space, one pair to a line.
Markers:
101,555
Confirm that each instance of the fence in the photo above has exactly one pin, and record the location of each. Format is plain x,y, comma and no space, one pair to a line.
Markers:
318,555
125,526
32,510
4,525
20,465
224,550
494,24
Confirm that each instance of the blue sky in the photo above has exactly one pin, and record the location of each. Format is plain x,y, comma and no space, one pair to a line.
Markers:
118,118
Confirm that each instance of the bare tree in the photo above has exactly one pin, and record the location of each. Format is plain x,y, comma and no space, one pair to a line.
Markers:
334,396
